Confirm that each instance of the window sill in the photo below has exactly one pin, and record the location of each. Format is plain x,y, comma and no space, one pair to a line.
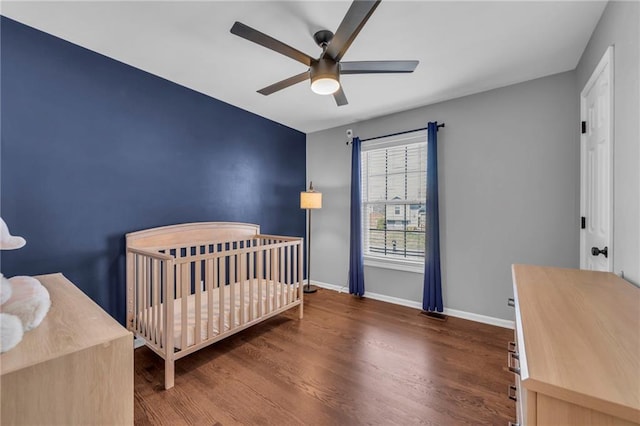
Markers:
396,264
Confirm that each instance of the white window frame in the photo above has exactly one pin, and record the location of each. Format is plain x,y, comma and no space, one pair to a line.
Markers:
387,262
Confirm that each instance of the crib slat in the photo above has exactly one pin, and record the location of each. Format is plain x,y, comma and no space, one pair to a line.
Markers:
149,306
267,288
198,307
241,266
158,301
143,296
274,275
130,290
136,273
209,286
252,283
149,303
276,278
259,275
232,291
221,291
139,288
278,286
285,274
184,292
145,301
291,271
177,291
178,269
292,268
287,268
155,301
282,276
143,289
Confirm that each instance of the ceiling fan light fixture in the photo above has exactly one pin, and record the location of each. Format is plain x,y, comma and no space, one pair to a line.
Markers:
325,86
325,78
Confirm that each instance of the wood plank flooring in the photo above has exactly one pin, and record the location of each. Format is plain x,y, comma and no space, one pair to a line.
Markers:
350,361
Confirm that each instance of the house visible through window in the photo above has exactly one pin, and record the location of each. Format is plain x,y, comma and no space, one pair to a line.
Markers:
393,196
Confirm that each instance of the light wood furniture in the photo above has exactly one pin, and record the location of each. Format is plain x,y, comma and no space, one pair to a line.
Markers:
577,350
76,367
193,284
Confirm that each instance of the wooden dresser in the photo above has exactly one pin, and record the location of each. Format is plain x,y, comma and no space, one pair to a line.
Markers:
576,357
75,368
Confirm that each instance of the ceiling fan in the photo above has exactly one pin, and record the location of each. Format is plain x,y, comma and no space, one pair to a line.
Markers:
325,71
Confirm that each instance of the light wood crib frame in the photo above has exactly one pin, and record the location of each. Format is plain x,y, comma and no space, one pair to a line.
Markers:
201,268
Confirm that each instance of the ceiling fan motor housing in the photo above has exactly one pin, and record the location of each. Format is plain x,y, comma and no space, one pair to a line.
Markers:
324,69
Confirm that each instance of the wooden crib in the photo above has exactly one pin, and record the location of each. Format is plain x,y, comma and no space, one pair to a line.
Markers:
193,284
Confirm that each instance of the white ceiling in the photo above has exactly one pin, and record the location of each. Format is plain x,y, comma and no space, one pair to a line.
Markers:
463,48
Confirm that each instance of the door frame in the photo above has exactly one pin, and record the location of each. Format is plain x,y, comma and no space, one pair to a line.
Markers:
605,65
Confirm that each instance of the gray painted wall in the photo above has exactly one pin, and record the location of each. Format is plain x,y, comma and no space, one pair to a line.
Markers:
619,26
509,167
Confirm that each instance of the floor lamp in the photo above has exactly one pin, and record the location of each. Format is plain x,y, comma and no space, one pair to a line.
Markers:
310,200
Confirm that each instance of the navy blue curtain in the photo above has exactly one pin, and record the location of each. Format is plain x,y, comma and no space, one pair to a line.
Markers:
356,259
432,291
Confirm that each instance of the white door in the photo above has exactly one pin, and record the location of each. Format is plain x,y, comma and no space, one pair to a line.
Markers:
596,153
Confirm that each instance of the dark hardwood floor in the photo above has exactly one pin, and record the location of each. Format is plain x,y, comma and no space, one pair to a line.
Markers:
350,361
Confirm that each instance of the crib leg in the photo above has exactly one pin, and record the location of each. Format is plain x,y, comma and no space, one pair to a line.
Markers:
301,309
168,372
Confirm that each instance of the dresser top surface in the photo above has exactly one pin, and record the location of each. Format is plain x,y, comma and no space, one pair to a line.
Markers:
74,322
581,332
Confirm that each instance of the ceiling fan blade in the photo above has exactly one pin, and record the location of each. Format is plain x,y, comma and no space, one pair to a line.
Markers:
377,67
357,15
340,97
284,83
269,42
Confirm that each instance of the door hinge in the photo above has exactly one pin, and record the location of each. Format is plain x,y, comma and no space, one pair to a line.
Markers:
583,222
584,127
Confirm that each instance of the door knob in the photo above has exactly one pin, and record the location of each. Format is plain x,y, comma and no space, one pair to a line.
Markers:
596,251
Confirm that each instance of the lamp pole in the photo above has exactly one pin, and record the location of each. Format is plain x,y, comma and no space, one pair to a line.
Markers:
308,288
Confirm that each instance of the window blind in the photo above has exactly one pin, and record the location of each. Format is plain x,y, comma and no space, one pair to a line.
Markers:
393,196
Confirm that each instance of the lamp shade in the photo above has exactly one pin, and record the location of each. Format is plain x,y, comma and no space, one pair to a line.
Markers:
310,200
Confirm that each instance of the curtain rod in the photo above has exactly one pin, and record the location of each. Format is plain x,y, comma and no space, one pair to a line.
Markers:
438,126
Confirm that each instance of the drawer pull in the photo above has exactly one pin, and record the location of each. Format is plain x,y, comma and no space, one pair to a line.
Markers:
515,370
514,424
511,302
512,393
511,347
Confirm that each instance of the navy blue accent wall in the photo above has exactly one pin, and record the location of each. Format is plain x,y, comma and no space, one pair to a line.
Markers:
93,149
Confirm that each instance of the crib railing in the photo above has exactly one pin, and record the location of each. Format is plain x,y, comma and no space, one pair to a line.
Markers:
191,274
150,281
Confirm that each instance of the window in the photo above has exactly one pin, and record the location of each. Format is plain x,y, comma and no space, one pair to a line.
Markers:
393,197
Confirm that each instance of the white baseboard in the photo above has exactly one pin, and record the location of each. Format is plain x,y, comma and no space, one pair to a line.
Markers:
137,342
418,305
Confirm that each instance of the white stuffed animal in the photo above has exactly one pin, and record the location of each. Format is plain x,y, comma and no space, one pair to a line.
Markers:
10,325
24,302
29,301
